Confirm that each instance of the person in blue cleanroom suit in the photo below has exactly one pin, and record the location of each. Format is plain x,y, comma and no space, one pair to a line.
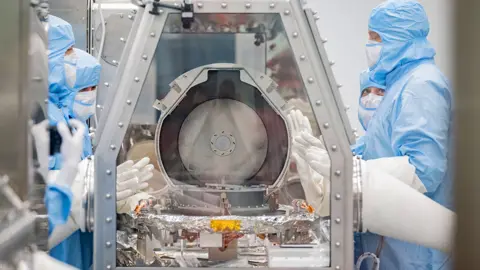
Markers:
412,119
72,95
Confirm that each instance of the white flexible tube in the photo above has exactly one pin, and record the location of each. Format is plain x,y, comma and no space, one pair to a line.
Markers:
393,209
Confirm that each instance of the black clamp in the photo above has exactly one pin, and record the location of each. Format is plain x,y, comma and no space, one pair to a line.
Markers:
187,14
155,7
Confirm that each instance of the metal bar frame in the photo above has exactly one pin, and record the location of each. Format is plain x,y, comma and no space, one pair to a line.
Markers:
131,75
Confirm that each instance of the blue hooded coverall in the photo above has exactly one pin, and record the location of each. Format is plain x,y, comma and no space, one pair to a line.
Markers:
77,249
413,119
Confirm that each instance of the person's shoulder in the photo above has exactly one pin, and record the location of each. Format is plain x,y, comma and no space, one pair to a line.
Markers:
429,73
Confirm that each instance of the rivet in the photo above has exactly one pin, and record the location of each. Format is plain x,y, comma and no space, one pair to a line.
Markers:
144,57
337,267
108,172
122,39
200,5
108,244
120,124
46,101
318,102
334,148
272,5
310,80
339,85
106,84
286,12
337,244
109,267
338,220
152,34
37,79
303,57
338,173
136,79
224,5
129,102
248,5
113,147
295,34
114,62
316,17
108,196
108,219
332,63
338,197
324,40
326,125
130,17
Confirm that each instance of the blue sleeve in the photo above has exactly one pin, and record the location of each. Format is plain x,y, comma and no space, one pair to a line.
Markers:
359,147
58,201
420,129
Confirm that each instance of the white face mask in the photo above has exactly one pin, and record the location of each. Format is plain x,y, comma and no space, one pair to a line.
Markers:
84,104
70,63
367,108
373,50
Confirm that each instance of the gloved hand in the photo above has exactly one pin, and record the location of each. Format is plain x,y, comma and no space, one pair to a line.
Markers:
313,150
128,205
71,150
42,143
315,186
131,178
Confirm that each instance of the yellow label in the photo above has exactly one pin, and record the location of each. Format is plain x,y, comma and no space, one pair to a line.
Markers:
225,225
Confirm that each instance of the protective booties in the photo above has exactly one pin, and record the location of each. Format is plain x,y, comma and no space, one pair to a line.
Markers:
131,179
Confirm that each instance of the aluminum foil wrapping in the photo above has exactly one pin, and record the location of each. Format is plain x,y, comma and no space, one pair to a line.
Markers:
127,254
245,224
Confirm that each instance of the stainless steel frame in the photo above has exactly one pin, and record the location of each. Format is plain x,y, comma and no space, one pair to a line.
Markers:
15,154
131,75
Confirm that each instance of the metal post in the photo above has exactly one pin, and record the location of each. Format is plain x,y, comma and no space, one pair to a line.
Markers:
467,156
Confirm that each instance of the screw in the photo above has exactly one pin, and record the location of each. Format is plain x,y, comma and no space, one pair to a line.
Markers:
108,219
108,244
295,34
108,196
113,147
129,102
318,102
310,80
120,124
144,57
326,125
108,172
303,57
248,5
286,12
106,84
136,79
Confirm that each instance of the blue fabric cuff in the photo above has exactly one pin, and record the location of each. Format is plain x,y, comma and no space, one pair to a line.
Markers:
58,201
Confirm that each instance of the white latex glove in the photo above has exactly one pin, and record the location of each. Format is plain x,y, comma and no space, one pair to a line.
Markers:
128,205
42,260
315,186
131,178
42,144
71,150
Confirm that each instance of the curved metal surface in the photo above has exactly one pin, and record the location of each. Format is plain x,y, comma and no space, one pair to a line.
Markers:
223,141
251,97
